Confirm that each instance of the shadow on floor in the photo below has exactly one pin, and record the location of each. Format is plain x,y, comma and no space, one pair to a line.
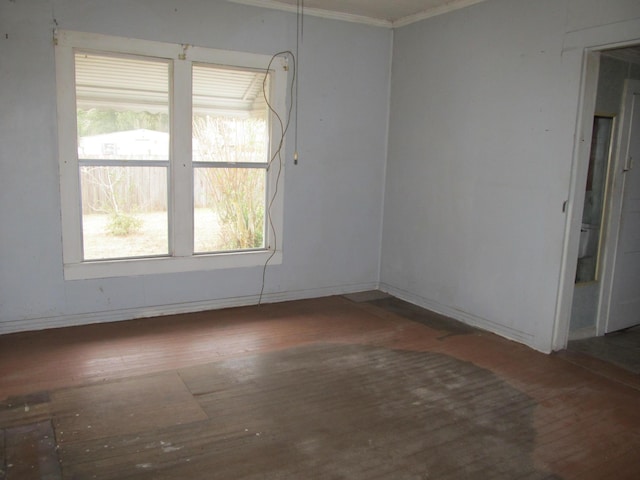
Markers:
407,310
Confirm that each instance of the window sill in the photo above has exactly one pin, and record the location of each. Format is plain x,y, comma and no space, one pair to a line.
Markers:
160,265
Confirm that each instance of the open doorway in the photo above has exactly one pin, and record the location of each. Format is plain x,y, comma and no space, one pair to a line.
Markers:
606,297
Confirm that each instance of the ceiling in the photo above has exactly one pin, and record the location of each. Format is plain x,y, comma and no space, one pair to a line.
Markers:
386,13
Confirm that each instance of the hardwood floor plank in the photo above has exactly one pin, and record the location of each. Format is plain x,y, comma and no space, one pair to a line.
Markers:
24,409
30,453
3,456
126,406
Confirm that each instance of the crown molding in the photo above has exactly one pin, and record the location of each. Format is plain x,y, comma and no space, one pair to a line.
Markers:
434,12
317,12
449,6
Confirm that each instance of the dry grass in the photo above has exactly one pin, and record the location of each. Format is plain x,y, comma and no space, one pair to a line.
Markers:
150,240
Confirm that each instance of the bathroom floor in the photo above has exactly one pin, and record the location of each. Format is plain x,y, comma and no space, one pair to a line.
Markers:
619,348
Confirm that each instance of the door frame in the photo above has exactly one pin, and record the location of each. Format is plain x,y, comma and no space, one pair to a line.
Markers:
590,42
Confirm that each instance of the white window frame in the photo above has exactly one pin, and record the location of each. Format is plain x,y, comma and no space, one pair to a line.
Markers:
180,202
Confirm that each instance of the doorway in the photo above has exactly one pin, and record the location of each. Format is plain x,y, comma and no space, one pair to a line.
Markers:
606,295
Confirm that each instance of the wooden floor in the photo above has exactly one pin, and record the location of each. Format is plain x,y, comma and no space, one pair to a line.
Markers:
335,388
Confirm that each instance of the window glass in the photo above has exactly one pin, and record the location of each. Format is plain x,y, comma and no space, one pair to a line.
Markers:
229,127
122,107
124,212
229,115
229,209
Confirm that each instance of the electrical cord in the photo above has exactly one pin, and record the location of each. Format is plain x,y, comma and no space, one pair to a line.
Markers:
284,127
299,38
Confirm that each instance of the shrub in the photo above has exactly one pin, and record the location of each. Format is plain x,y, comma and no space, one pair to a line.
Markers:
123,224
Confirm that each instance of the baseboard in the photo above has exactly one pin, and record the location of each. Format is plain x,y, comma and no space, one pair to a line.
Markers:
582,333
464,317
41,323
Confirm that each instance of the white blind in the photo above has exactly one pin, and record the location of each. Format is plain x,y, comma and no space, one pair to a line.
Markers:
109,81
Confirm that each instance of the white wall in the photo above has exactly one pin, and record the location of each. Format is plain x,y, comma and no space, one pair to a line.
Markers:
483,116
333,198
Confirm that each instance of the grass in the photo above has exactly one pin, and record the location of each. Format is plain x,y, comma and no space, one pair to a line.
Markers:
150,240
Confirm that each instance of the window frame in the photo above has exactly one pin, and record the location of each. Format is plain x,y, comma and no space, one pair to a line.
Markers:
181,257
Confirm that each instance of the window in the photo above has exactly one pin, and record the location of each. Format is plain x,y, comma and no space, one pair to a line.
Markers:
167,156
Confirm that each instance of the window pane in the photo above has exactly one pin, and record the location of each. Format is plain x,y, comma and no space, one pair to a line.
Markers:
124,212
229,115
122,108
229,209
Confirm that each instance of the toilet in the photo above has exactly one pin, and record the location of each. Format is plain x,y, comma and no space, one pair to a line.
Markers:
588,240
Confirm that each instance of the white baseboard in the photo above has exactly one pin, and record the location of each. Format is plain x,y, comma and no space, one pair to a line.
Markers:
28,324
40,323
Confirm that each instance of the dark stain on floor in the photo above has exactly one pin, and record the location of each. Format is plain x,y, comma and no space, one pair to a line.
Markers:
417,314
322,411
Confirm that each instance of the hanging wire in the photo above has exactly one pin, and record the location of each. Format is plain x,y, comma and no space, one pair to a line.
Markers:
277,155
284,127
299,37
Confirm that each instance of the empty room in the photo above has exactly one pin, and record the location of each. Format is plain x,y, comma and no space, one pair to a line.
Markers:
287,239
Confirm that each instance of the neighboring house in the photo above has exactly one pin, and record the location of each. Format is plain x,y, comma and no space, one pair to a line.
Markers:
141,144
